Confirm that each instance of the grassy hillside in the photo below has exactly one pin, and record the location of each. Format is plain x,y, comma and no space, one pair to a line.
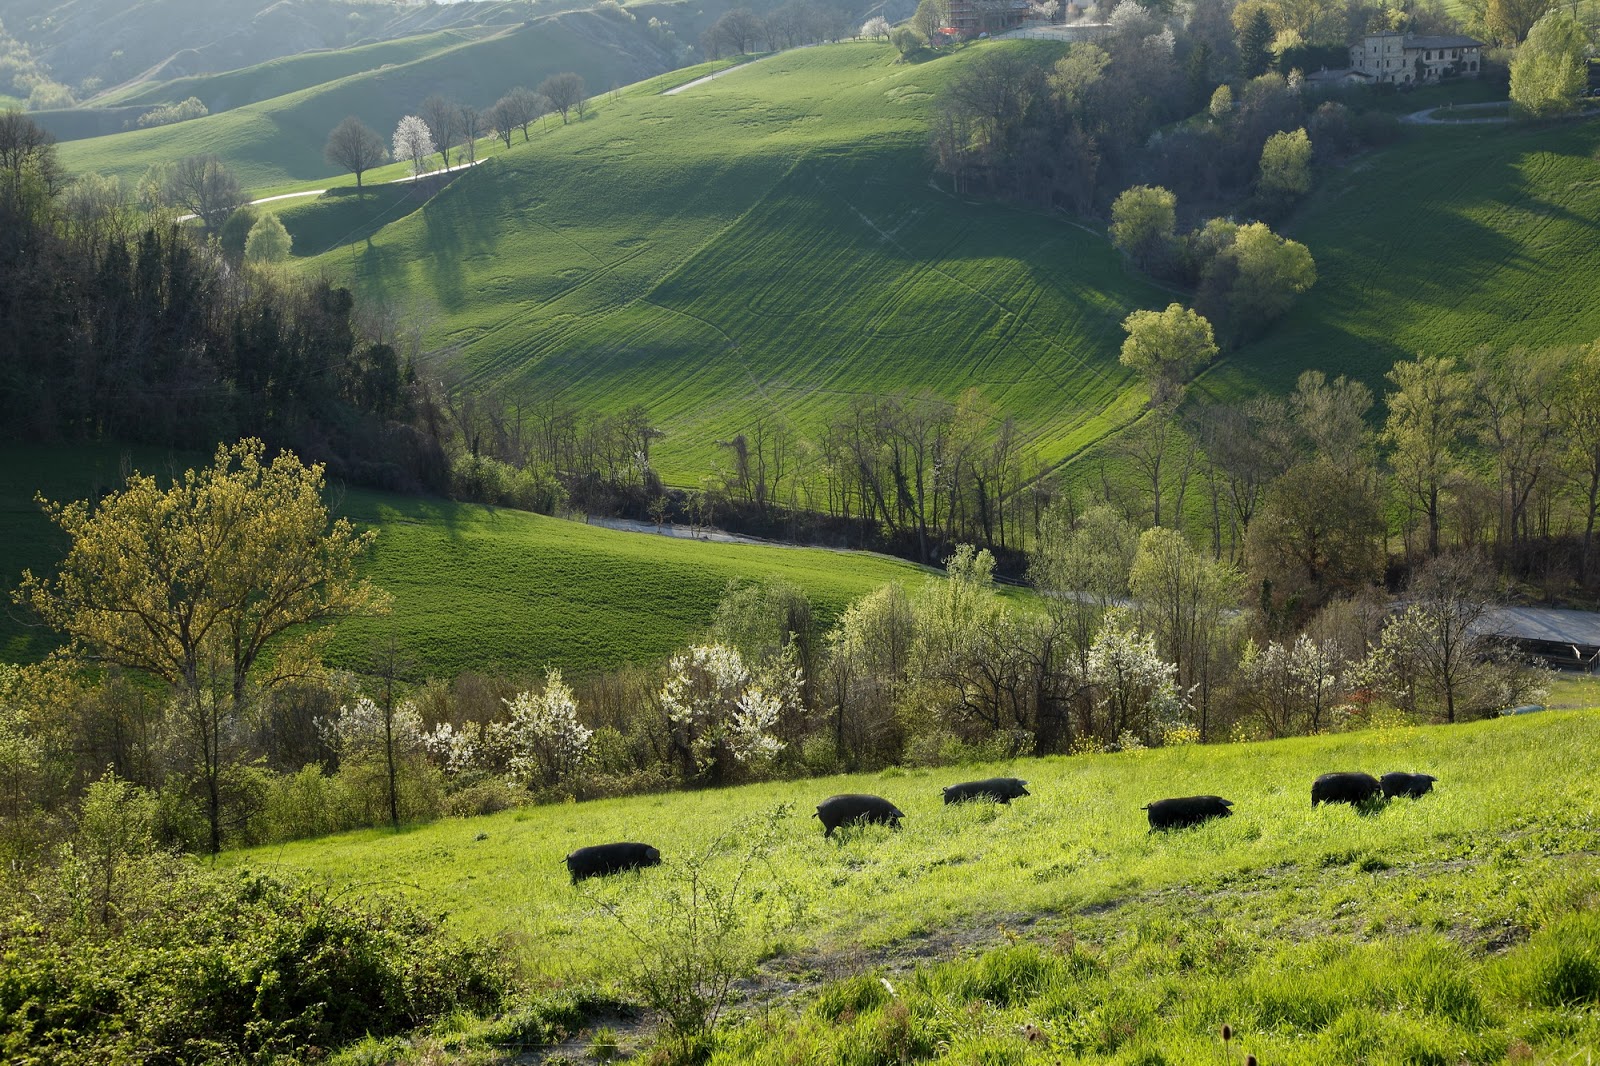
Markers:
1456,238
772,244
479,589
474,588
1503,846
277,143
280,77
767,244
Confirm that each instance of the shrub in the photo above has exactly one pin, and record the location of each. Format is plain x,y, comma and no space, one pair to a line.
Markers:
224,966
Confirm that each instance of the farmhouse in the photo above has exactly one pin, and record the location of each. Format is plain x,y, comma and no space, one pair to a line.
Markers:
972,17
1405,58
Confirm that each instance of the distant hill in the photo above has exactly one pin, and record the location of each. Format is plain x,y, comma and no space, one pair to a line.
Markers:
112,41
279,141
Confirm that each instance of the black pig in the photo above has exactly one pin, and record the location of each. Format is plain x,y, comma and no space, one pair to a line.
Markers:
852,808
1409,785
994,789
1349,788
1184,811
598,860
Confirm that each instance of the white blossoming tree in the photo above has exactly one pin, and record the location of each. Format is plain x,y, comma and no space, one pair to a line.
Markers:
1135,690
1293,687
371,737
544,741
413,141
721,715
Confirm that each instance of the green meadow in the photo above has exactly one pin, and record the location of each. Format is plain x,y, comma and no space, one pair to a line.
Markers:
1452,239
766,245
1270,919
475,588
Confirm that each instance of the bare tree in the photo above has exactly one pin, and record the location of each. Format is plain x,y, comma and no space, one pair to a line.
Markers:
355,147
527,107
502,119
413,141
565,92
206,188
444,122
735,33
472,127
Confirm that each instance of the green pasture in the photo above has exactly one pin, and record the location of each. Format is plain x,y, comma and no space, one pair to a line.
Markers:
475,588
764,246
1503,844
1452,239
276,145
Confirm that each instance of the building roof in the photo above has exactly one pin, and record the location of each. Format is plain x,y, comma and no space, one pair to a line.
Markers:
1443,41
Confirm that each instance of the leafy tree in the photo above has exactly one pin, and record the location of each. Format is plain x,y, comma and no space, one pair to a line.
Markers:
1144,224
376,738
1292,686
194,584
1427,421
1255,44
929,17
720,715
1508,21
268,241
1253,276
1187,603
413,141
1286,164
869,655
1136,691
907,40
565,93
1318,535
204,186
1434,648
1221,106
1166,347
355,147
235,232
1578,411
1550,69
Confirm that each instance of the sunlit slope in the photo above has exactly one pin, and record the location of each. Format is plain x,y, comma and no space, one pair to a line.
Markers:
475,588
486,589
1454,239
768,244
278,142
1512,811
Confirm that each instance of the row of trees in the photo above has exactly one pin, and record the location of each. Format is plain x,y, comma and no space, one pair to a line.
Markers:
790,25
443,126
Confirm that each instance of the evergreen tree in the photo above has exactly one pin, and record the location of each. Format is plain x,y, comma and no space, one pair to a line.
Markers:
1255,46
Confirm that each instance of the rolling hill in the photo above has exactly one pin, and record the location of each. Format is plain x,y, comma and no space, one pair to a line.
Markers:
766,244
773,244
474,588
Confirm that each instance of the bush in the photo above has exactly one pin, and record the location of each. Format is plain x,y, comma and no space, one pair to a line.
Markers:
224,966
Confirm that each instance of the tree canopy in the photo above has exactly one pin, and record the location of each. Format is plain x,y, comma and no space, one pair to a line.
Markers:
1550,70
1165,347
193,583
